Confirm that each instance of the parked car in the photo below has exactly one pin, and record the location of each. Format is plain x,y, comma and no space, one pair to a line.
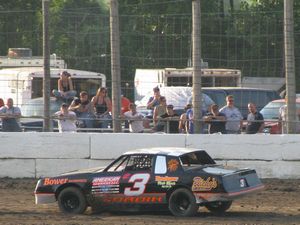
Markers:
33,111
271,115
179,178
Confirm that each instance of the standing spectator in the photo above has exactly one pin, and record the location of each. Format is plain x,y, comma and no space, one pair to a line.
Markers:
183,120
233,116
154,100
1,102
125,103
10,115
216,120
135,119
158,111
171,125
190,121
102,106
66,119
255,120
84,110
65,87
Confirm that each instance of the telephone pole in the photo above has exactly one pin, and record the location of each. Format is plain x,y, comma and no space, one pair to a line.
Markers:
290,65
197,93
46,56
115,65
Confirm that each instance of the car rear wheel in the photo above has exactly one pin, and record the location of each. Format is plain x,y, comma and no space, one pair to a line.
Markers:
182,203
72,200
218,207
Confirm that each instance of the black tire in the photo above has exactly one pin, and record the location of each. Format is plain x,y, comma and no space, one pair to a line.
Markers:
218,207
72,200
182,203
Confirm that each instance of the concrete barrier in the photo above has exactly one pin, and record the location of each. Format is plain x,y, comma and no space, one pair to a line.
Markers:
48,154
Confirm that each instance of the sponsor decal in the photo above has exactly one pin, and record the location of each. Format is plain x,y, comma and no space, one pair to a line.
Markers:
77,181
173,165
100,181
50,181
199,184
112,189
166,182
134,199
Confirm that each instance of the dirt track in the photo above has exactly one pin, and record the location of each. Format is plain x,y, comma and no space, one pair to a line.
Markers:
279,203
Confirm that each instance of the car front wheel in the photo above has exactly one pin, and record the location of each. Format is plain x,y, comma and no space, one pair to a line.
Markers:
218,207
72,200
182,203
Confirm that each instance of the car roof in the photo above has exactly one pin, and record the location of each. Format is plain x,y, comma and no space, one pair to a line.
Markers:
171,151
283,100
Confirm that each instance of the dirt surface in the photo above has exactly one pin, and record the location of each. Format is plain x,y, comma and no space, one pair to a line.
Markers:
279,203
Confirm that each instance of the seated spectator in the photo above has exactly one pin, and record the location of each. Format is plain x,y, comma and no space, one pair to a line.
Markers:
10,115
135,119
154,100
64,87
216,120
171,125
84,110
102,106
66,119
183,120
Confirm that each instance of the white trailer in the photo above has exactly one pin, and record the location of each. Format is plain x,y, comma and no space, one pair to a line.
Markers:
146,79
24,83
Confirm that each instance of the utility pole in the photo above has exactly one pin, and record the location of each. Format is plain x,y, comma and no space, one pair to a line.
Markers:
46,56
197,93
290,65
115,65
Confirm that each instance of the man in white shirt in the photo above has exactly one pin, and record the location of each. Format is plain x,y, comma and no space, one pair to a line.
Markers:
233,115
66,119
135,119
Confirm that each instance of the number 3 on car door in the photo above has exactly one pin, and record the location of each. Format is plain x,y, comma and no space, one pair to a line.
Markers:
139,181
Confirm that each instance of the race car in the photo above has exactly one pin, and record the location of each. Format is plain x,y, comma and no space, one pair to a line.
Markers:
178,179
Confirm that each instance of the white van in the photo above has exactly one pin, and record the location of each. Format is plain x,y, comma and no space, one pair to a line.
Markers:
24,83
146,79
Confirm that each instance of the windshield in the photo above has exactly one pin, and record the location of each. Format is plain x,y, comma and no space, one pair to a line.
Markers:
271,110
36,108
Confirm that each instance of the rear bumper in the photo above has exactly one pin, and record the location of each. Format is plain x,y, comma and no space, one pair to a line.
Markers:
212,197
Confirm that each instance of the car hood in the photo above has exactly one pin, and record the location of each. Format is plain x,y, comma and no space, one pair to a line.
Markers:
84,171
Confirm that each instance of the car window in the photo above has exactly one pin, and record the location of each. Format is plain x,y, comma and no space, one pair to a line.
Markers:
196,158
139,163
160,165
271,110
218,96
118,165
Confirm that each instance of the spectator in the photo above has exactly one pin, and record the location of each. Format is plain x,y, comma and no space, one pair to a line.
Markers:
183,120
135,119
154,100
66,119
190,121
65,87
102,106
158,111
84,110
10,115
172,123
255,120
125,103
216,120
233,116
1,102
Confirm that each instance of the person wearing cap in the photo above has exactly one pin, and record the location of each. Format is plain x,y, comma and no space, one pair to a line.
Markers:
65,87
66,119
172,120
216,120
